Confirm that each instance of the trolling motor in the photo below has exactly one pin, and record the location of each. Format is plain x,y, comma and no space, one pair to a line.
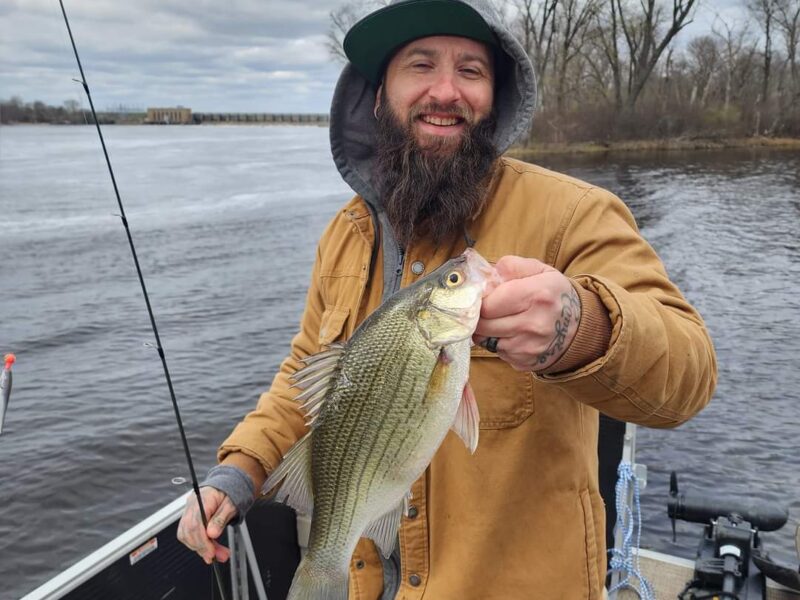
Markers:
731,563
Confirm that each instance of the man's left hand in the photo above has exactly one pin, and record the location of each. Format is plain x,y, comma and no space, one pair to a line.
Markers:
534,314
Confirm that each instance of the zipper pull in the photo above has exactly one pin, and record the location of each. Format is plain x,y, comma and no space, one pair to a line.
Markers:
400,261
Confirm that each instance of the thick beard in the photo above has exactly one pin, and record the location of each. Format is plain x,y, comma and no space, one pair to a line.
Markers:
432,191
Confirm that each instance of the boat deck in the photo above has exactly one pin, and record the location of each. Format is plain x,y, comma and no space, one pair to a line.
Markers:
668,576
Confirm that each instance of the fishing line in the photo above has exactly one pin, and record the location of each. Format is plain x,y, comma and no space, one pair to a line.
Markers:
158,346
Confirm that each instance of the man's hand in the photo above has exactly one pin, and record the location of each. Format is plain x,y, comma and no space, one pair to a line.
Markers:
534,314
219,510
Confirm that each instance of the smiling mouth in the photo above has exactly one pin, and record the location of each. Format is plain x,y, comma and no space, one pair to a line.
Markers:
441,121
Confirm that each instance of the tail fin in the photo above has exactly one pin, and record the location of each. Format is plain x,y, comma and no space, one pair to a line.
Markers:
309,584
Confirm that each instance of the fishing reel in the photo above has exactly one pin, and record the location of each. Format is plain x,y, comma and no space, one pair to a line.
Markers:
731,562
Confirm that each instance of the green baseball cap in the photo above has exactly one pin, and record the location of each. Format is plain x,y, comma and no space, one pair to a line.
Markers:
371,42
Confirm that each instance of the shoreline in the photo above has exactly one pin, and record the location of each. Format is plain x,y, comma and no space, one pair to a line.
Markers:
661,145
538,149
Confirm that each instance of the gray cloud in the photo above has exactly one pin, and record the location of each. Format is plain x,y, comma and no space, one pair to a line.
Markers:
243,55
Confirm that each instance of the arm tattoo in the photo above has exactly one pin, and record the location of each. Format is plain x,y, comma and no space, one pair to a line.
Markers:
570,311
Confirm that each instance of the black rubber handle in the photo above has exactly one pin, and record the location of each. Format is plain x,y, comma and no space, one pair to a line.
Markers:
702,509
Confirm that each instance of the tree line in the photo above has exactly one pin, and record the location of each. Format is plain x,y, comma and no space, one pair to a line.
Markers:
71,112
15,110
624,69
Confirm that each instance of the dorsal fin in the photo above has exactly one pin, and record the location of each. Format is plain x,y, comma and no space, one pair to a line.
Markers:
316,378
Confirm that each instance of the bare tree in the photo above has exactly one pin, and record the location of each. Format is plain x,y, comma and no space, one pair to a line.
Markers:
630,35
535,32
787,18
607,34
737,54
641,33
703,62
573,22
764,13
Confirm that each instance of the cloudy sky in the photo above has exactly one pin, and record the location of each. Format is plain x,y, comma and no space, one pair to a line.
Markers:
209,55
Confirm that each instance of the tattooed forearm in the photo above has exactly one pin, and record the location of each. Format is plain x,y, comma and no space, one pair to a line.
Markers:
570,312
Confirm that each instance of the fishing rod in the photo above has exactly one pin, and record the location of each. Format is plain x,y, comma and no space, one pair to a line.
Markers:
161,354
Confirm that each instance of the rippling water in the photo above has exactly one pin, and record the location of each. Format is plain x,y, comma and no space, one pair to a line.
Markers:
226,220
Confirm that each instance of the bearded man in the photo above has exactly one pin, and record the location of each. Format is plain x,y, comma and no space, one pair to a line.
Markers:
586,321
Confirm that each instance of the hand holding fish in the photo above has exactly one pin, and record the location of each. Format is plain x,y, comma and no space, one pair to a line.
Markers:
534,314
219,510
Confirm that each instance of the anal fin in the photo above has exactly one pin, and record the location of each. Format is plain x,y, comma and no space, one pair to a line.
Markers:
383,531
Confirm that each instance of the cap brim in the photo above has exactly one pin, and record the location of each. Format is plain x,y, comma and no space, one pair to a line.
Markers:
371,42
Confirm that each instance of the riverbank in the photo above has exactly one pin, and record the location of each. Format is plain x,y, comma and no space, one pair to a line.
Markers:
661,145
531,151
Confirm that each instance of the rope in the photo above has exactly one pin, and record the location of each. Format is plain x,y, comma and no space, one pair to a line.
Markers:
626,559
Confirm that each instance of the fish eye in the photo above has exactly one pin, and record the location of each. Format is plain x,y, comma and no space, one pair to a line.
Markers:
454,279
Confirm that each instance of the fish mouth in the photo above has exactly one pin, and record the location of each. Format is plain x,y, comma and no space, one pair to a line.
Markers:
466,316
482,270
459,326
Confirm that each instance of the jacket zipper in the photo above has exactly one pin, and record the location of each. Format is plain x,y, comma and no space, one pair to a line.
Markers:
393,255
398,272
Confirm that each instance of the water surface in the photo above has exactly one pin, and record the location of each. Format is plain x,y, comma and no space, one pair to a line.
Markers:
226,220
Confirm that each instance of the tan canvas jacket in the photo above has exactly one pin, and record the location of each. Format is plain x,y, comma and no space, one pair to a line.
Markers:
523,517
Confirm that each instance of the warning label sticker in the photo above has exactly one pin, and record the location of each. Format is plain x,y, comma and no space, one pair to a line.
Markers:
143,550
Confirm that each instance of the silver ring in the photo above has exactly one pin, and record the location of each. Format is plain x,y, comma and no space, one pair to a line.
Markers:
491,344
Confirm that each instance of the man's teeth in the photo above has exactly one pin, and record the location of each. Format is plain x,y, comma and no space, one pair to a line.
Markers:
440,121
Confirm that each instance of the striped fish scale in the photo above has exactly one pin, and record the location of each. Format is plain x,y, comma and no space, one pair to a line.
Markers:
379,407
368,427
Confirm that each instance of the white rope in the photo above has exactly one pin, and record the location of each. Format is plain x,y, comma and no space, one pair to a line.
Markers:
629,522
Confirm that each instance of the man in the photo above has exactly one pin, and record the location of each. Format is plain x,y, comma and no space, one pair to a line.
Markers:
586,321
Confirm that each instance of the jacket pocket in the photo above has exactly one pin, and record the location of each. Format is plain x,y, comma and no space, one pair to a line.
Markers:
591,546
341,295
505,396
332,324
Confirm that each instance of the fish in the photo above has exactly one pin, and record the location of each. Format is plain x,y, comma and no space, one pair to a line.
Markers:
5,387
378,407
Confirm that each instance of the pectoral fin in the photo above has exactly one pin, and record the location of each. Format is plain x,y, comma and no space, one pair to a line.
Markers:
295,473
468,420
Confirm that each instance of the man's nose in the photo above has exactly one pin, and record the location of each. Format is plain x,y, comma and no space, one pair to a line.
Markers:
445,89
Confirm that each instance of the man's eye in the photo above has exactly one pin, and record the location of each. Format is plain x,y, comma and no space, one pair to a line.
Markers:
471,72
421,66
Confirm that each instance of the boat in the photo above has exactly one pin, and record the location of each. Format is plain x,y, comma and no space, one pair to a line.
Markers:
147,562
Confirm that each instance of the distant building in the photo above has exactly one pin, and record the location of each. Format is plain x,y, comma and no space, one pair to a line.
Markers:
169,116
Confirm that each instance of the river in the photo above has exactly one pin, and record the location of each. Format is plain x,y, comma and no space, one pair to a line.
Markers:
226,220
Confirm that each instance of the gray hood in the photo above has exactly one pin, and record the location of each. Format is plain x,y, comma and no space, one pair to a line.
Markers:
352,125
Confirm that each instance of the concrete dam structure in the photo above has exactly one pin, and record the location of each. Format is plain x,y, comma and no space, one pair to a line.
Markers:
276,118
184,116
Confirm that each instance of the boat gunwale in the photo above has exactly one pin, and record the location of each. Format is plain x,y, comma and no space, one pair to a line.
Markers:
128,541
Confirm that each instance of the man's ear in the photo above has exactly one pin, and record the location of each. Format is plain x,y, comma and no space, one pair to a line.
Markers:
377,100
